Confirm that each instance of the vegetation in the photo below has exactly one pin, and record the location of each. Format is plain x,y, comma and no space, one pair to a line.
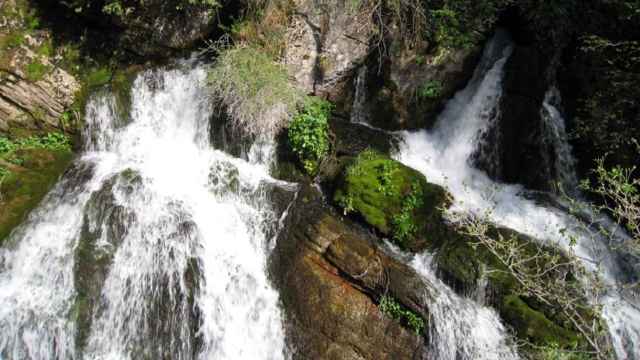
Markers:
391,307
546,277
36,70
253,89
393,198
308,133
404,227
28,168
430,90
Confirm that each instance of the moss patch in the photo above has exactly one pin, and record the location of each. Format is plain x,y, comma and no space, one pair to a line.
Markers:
25,186
393,198
534,325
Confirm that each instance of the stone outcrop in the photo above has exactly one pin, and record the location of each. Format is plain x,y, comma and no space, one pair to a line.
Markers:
325,43
331,277
34,93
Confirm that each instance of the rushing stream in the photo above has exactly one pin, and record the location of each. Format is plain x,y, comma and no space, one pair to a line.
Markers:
187,230
444,155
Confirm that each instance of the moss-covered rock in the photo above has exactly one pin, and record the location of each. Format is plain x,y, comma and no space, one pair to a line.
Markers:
26,184
533,325
463,264
393,198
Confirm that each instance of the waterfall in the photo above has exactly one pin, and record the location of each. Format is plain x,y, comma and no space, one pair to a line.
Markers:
359,114
444,156
177,234
556,133
460,327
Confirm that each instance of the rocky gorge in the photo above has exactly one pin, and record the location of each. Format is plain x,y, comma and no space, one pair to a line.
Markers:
318,179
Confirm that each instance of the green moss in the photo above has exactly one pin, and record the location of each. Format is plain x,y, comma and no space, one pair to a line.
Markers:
27,184
381,190
98,77
534,325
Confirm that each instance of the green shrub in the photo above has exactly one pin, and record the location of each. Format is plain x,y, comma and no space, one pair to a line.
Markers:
430,90
389,306
309,133
254,90
404,227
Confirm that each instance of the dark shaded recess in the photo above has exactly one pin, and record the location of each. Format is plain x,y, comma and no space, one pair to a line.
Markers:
514,149
100,37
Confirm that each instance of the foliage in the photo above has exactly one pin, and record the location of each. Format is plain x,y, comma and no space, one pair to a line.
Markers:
619,192
36,70
254,90
546,276
404,227
430,90
98,77
608,114
391,307
309,133
50,141
119,9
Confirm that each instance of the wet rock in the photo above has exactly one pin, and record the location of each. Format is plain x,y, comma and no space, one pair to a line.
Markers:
104,228
408,89
331,277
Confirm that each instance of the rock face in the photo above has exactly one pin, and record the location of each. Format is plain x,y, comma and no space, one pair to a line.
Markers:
324,44
153,27
34,93
331,277
396,88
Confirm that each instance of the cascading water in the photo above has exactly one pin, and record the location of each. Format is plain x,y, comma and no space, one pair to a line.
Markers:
444,156
565,164
460,328
359,113
177,233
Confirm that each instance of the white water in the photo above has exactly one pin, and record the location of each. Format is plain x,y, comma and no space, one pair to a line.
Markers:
460,328
443,155
186,217
565,163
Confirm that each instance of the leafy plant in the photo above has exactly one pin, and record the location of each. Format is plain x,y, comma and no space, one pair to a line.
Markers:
430,90
403,225
309,133
390,306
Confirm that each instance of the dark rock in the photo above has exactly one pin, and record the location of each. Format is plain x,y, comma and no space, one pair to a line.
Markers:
331,275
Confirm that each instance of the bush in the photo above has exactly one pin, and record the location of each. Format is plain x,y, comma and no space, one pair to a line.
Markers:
430,90
394,309
309,133
254,90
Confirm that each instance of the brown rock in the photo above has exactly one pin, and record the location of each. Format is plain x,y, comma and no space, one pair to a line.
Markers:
331,277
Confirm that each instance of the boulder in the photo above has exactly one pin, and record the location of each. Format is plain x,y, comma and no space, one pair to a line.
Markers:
394,199
331,277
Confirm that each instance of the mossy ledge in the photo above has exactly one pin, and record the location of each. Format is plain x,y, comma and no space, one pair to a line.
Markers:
393,198
27,184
